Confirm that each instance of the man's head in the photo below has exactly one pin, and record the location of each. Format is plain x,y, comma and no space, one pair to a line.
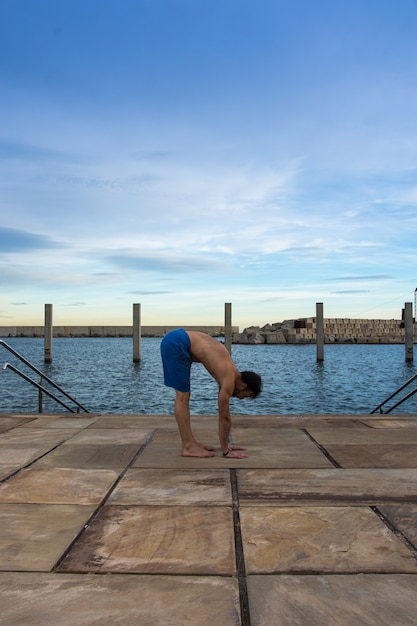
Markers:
250,385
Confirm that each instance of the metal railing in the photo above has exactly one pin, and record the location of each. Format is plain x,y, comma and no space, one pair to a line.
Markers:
39,386
403,399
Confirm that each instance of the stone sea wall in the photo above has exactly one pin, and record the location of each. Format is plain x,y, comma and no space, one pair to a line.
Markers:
299,331
337,330
104,331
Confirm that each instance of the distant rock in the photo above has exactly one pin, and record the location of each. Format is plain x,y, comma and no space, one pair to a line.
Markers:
249,336
303,330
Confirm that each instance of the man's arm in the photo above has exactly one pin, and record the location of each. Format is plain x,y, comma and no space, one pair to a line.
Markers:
225,425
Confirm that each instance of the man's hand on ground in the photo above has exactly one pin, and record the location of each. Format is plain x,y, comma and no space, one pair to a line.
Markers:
232,452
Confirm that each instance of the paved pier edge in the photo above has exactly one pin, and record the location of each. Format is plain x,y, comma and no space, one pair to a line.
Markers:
316,526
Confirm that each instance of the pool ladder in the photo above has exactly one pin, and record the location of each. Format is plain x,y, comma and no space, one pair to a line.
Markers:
39,386
406,397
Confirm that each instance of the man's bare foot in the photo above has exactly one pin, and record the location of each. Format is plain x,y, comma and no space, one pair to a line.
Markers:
197,450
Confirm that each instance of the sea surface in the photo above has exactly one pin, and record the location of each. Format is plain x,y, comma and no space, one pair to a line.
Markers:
100,374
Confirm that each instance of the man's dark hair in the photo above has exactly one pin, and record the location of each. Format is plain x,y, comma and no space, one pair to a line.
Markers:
253,382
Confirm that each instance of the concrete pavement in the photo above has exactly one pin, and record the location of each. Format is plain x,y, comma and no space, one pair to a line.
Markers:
102,521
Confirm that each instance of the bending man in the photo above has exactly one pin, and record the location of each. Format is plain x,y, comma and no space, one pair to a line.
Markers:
179,348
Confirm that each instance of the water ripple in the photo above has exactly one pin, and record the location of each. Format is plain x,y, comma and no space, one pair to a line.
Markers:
100,374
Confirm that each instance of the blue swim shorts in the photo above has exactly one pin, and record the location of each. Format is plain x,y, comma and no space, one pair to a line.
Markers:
176,359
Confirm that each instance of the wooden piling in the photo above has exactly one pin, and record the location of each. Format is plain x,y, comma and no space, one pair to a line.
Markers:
136,333
228,327
319,331
48,333
408,328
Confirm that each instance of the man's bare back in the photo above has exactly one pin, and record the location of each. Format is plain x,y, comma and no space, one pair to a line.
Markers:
214,356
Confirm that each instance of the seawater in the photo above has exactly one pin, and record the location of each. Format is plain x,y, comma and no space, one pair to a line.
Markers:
101,375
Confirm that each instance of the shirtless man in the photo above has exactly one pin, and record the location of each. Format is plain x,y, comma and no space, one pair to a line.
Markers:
179,348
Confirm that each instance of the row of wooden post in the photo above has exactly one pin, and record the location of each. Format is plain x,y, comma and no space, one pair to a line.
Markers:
408,327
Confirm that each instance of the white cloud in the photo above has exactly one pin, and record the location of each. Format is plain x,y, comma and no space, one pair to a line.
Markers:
275,164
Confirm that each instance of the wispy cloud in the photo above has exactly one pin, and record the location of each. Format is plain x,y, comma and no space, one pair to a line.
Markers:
347,291
15,240
148,293
166,262
358,277
12,149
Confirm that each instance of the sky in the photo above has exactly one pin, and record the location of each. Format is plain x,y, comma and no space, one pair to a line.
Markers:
184,154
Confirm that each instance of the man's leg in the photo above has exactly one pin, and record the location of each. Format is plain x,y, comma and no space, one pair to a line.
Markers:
190,447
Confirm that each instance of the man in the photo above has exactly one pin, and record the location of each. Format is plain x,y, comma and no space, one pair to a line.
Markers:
179,348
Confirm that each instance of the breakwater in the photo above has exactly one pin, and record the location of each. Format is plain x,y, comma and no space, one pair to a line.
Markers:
296,331
336,330
105,331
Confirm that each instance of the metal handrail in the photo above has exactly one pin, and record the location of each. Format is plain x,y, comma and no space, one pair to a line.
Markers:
35,384
43,376
408,395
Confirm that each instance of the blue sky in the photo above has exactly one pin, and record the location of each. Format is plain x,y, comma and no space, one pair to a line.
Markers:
183,154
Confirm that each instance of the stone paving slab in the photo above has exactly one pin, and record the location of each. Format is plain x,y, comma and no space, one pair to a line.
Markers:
403,517
34,536
326,486
21,454
325,539
361,600
266,454
156,539
131,421
285,438
173,487
36,436
361,436
118,436
282,437
300,420
8,422
390,423
128,600
64,422
6,470
58,486
170,435
373,455
90,456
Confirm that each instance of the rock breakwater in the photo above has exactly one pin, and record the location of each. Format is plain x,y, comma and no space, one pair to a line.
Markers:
336,330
